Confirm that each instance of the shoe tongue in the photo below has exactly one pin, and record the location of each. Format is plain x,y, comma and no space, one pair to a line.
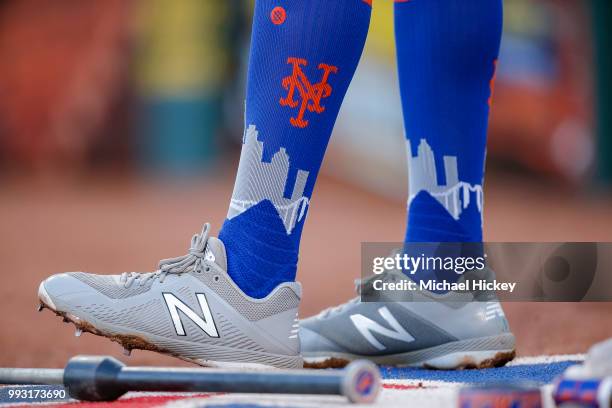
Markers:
215,251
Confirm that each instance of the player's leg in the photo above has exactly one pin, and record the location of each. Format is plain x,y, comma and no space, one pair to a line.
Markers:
447,54
303,57
234,299
447,51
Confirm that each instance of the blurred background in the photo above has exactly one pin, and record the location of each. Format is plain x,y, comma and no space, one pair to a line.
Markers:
120,130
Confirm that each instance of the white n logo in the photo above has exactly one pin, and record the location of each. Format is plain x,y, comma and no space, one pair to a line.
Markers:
367,326
207,324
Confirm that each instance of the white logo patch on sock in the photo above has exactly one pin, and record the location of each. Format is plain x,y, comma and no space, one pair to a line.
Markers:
455,195
250,191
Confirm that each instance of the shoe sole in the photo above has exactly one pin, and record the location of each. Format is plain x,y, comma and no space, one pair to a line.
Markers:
133,342
484,352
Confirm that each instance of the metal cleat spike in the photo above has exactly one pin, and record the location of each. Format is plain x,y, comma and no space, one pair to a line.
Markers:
78,332
66,320
127,351
40,307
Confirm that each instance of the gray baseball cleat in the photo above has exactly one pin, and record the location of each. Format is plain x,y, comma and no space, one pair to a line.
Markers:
444,331
189,308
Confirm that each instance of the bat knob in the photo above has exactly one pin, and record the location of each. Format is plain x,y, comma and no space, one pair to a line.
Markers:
361,382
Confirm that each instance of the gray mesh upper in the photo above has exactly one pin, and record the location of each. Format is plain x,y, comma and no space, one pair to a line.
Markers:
284,299
106,285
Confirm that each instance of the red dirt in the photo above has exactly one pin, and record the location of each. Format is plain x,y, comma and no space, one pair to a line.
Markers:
111,226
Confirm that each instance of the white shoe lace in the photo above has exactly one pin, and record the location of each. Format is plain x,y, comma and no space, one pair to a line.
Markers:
193,260
359,285
339,308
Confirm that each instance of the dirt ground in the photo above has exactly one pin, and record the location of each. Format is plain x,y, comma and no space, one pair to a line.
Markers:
116,224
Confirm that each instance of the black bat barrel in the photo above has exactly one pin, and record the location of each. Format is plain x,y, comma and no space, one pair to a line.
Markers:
96,378
184,379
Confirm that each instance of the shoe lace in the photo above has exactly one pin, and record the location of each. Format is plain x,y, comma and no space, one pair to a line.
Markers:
192,261
339,308
361,286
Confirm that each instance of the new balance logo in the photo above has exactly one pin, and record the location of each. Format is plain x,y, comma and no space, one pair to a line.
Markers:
206,323
310,95
368,326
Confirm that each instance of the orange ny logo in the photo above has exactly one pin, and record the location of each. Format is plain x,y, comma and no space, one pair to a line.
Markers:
310,94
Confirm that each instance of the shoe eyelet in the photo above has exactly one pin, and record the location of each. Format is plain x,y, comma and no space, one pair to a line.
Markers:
207,269
216,278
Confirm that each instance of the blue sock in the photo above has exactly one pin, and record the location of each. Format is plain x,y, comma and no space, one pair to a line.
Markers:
303,56
446,52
